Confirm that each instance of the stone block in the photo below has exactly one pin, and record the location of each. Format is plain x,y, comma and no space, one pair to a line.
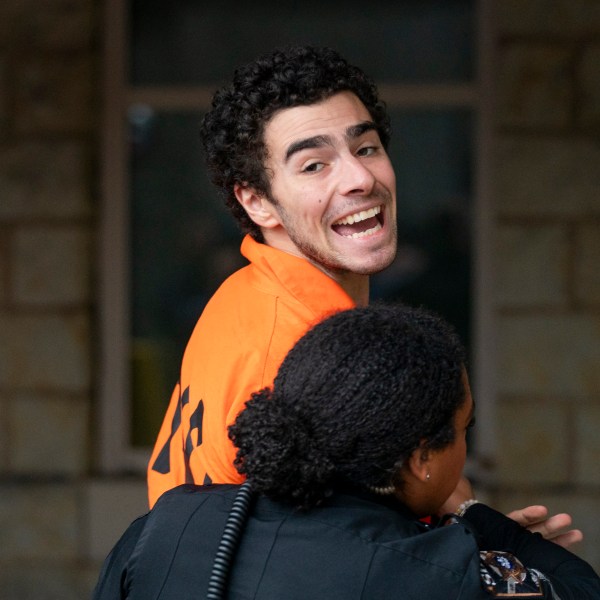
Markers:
43,180
3,269
49,435
55,24
44,580
549,355
546,177
587,267
50,266
45,353
587,449
3,96
532,442
561,18
534,86
111,506
39,521
531,266
4,439
53,95
589,86
581,504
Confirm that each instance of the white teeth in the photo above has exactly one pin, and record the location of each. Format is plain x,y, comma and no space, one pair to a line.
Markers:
360,216
364,233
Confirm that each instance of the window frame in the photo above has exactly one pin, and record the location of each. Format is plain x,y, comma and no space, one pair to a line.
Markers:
114,451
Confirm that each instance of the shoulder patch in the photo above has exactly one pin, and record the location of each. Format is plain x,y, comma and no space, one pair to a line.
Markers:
504,576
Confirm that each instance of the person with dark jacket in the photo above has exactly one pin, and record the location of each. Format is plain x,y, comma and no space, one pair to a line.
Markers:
296,143
361,435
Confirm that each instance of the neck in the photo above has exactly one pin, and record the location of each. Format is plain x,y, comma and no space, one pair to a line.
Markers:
354,284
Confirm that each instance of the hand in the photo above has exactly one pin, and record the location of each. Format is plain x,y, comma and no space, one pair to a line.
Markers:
535,518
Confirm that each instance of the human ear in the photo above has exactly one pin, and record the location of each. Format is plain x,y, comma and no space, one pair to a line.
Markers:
256,205
419,463
416,489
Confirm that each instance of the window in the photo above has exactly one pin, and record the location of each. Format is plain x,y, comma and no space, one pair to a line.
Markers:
167,242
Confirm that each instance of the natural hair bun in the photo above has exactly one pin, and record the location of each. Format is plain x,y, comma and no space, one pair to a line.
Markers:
277,453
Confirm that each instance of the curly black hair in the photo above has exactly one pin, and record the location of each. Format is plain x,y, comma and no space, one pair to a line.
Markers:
351,401
232,132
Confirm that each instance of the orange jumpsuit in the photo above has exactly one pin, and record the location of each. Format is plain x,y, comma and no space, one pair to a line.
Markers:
240,340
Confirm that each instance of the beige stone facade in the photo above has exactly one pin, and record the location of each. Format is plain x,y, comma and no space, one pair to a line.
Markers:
49,84
57,512
547,237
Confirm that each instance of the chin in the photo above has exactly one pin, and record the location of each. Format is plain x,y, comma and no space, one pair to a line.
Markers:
378,264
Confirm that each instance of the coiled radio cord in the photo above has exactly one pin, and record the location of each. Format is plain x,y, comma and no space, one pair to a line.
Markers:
229,540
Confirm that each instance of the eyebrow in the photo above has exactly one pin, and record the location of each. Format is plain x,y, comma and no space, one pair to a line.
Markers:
357,130
318,141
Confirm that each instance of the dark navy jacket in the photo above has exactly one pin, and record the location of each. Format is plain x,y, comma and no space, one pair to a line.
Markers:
354,546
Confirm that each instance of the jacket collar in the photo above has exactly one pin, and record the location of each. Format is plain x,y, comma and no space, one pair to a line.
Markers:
301,279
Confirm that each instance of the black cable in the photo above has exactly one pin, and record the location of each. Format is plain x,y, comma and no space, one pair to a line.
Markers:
228,544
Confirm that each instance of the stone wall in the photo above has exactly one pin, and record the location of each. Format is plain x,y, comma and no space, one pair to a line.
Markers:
547,254
57,517
48,139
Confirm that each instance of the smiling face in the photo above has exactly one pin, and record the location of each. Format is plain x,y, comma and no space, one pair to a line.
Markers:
333,188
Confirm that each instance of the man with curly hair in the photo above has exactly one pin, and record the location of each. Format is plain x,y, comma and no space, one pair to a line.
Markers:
297,146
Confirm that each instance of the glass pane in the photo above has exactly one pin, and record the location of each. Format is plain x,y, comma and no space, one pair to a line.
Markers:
190,42
185,242
432,156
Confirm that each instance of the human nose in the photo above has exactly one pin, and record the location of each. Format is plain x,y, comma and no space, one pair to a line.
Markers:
356,177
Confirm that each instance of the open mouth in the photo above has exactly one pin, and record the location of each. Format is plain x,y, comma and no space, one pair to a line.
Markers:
360,224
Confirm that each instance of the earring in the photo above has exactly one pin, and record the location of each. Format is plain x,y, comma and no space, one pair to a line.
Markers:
428,476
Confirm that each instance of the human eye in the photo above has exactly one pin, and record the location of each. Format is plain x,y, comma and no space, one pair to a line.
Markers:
367,150
471,423
313,167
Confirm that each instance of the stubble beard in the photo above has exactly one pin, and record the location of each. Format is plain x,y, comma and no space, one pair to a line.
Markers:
328,262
